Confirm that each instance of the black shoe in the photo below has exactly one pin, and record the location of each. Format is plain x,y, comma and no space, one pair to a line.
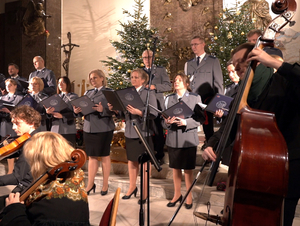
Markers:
128,196
188,206
93,188
172,204
161,161
144,201
104,192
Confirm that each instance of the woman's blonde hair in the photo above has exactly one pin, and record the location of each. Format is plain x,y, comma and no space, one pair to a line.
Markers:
45,150
38,80
143,75
101,74
12,81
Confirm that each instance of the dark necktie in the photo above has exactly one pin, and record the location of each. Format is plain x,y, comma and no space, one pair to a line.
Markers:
62,96
179,99
198,60
95,91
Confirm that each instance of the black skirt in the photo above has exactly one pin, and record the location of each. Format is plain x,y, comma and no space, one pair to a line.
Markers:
98,144
182,158
135,148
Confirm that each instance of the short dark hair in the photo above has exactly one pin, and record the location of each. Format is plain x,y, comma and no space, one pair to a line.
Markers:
12,64
254,31
27,114
199,37
249,46
68,83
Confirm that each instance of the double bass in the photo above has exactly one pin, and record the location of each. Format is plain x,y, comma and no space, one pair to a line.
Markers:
258,172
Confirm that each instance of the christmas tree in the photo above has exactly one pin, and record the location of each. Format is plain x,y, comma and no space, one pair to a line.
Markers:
229,32
135,37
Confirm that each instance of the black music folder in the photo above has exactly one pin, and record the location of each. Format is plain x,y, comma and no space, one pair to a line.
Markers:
56,102
119,99
180,110
27,100
5,104
219,101
85,104
24,83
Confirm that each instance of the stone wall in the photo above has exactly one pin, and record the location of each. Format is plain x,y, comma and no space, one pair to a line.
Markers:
20,49
178,23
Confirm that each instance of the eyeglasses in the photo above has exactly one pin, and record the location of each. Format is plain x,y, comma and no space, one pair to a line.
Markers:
196,44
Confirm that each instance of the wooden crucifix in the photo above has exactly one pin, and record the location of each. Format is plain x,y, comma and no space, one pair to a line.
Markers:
67,50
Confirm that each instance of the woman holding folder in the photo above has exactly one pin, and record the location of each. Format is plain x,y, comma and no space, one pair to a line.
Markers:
36,85
182,138
6,126
98,131
64,122
134,146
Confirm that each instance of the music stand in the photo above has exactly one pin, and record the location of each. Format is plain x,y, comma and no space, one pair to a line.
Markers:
142,159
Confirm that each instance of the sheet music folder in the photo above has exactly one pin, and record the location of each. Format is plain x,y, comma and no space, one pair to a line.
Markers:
180,110
219,101
27,100
119,99
85,104
56,102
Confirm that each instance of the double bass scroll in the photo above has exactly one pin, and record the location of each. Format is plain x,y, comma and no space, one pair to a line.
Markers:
78,157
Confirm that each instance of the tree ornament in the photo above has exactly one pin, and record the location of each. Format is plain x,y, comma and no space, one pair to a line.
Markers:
121,83
215,38
229,35
242,33
221,49
231,21
157,50
142,65
123,51
109,69
119,67
148,44
216,27
129,71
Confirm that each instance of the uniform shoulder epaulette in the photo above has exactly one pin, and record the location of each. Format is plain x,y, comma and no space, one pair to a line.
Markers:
211,56
191,60
90,90
193,94
172,94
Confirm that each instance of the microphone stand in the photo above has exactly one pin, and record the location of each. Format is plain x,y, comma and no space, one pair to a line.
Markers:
144,157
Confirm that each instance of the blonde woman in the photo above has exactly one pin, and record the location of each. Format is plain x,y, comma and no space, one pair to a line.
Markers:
134,147
36,86
61,201
98,131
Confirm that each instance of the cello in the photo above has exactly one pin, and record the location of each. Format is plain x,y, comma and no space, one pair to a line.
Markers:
258,171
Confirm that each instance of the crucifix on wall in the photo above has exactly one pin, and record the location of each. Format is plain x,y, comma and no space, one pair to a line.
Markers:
67,50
